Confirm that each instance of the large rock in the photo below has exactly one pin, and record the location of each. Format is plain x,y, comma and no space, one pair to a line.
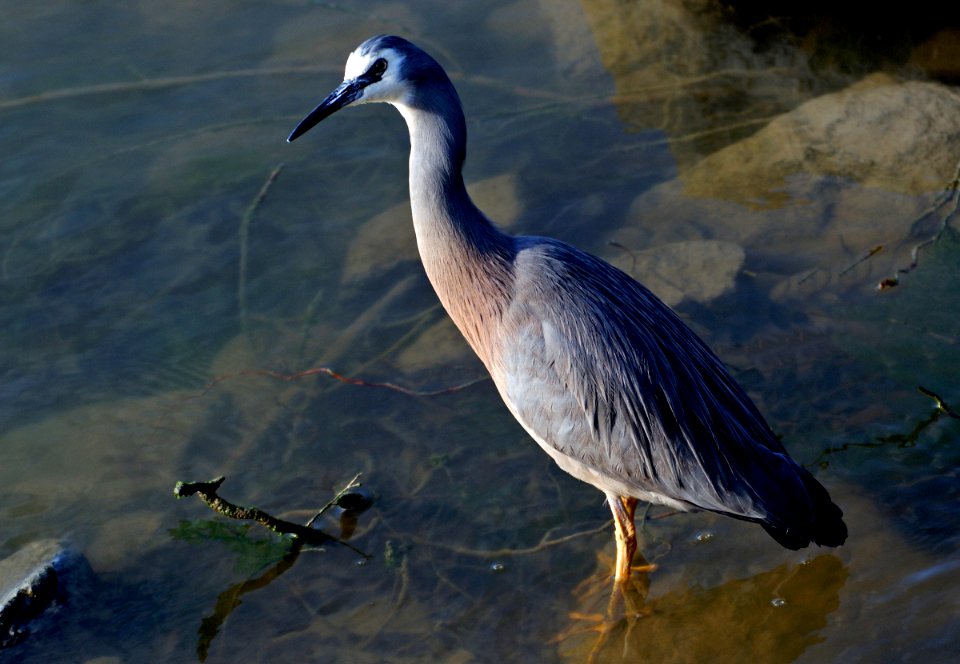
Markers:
881,133
32,580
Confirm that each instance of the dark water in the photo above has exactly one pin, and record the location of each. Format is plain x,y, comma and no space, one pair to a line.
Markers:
166,260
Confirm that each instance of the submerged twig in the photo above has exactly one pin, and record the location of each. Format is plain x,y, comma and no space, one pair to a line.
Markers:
941,404
628,251
809,275
870,254
155,84
951,193
327,371
244,233
544,543
352,484
299,537
902,440
207,492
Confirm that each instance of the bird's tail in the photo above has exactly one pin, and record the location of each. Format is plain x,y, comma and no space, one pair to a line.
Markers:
824,525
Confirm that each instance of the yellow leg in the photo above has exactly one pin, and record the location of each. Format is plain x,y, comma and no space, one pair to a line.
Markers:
623,509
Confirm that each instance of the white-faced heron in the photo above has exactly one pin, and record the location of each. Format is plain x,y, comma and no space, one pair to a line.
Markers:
603,375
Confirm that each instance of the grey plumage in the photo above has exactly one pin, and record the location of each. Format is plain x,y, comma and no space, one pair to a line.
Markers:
603,375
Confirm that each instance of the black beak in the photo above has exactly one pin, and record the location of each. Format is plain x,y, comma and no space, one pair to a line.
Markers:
348,92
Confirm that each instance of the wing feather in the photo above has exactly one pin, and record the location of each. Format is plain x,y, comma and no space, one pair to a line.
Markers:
625,396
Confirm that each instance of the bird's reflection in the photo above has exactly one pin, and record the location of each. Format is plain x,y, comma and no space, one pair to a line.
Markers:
773,616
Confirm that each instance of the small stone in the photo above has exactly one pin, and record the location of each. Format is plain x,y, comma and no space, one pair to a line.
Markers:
357,500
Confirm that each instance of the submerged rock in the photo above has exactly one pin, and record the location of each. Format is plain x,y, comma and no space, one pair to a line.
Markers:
697,270
881,133
34,579
844,177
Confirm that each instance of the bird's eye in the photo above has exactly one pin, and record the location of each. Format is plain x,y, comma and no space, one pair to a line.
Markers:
378,67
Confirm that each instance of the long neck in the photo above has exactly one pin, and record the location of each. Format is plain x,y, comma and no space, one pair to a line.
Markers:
467,260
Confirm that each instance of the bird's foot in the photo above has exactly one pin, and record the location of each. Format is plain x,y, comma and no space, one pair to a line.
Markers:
590,634
602,616
600,579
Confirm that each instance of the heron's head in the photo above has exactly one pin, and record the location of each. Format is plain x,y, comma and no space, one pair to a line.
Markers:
385,69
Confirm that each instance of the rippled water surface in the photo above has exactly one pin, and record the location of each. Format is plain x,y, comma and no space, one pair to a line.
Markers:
174,275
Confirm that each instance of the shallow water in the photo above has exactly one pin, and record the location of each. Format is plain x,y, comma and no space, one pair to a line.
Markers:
154,302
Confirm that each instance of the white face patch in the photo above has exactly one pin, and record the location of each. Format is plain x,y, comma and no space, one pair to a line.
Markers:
357,64
390,88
